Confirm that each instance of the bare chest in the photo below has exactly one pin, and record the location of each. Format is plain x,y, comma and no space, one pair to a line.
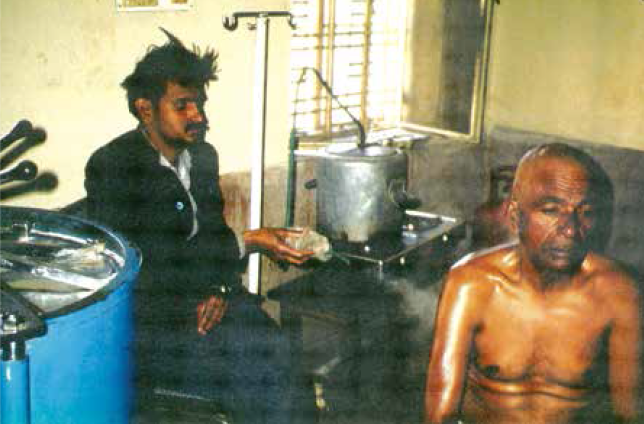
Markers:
528,338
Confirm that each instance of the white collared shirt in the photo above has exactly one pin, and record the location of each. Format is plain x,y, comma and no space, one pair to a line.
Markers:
182,171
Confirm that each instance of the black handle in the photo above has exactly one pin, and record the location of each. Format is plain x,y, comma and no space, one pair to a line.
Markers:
20,130
24,171
311,184
399,195
409,202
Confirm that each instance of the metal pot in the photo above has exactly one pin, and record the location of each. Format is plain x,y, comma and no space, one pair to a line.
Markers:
361,192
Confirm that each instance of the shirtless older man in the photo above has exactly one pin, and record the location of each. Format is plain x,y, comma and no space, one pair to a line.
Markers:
544,330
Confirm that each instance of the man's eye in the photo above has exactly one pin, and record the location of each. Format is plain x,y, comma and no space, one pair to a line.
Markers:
587,214
549,210
180,105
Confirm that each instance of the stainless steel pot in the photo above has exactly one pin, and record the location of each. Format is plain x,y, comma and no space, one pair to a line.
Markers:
361,192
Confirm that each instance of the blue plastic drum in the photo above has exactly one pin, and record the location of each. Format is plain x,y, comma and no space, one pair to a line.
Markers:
81,276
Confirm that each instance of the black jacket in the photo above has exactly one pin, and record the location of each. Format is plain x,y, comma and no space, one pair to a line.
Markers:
130,192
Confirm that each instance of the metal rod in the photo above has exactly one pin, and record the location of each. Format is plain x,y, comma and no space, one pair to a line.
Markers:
257,154
259,132
330,53
14,392
80,282
231,22
291,175
14,374
365,60
319,61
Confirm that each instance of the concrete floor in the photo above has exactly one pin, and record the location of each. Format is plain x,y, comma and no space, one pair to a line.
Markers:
161,409
186,412
330,400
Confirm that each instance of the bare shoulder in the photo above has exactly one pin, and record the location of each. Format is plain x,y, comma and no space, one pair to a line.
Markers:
612,281
483,271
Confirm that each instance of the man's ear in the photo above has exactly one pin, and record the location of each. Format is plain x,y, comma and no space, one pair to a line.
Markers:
144,109
512,215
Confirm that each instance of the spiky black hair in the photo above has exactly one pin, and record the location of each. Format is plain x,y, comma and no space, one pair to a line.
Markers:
171,62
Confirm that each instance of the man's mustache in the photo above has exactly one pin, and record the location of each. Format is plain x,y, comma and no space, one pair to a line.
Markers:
197,127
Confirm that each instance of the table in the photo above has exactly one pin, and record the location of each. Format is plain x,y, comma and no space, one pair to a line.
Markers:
349,333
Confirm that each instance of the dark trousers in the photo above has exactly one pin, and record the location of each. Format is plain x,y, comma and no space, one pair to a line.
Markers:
242,363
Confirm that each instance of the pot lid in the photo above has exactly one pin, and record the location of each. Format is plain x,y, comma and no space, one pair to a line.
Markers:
368,150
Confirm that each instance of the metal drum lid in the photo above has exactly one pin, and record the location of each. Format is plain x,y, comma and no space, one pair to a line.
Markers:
56,262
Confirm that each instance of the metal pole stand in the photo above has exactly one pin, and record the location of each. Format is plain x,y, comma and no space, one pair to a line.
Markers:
19,322
261,24
14,382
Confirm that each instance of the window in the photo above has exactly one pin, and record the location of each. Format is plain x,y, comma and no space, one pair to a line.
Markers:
447,49
356,46
405,65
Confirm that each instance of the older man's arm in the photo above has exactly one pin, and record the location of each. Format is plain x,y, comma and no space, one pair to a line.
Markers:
457,319
625,348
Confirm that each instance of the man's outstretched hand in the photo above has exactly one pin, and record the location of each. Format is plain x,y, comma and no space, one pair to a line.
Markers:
278,244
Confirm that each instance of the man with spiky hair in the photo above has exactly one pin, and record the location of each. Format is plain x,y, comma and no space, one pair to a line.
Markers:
545,330
198,329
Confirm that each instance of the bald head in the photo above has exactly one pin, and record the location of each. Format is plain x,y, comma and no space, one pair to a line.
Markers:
555,155
558,165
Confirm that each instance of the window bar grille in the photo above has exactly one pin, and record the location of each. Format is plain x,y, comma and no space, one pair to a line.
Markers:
362,32
319,57
330,55
365,60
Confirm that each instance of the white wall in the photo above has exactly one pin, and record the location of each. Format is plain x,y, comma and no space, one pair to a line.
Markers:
61,63
573,68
